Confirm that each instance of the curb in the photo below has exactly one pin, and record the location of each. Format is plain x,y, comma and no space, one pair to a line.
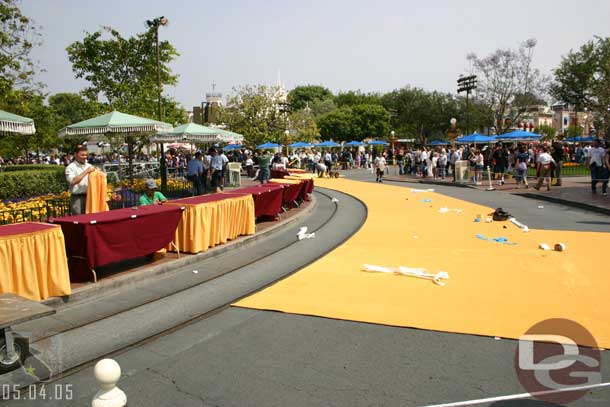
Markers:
574,204
103,287
420,181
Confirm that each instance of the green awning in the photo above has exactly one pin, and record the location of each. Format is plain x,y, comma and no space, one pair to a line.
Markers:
114,122
229,136
13,123
189,132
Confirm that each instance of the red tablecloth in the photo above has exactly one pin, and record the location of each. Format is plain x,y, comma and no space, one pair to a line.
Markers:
108,237
279,173
292,192
307,189
268,198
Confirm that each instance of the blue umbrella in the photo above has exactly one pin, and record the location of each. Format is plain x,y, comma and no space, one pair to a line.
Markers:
581,139
232,147
300,144
353,144
328,144
268,145
475,138
378,143
518,135
438,143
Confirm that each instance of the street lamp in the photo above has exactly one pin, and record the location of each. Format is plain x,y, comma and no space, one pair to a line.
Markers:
155,24
286,140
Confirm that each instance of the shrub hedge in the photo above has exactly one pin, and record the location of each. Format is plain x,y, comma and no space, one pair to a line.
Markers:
22,184
29,167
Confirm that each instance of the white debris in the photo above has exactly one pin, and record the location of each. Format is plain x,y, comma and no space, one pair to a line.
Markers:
411,272
334,200
195,271
302,234
519,225
544,246
540,206
446,210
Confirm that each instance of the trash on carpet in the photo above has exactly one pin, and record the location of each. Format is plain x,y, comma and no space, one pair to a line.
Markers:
411,272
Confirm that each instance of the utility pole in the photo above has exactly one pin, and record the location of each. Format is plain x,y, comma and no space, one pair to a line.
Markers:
155,24
467,84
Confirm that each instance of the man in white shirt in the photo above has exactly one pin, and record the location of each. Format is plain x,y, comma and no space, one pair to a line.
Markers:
544,168
77,175
380,164
595,160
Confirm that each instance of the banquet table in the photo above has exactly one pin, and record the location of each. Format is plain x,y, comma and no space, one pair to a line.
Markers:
209,220
33,261
292,190
308,189
268,198
103,238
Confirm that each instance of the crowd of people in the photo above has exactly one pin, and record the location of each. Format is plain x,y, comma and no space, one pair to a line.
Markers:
207,170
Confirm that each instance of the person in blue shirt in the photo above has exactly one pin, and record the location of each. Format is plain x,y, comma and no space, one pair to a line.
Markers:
216,167
195,173
521,169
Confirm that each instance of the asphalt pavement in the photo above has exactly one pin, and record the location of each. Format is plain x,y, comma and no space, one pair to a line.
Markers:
243,357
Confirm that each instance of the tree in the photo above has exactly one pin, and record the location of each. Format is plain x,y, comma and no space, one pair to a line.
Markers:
18,35
300,96
547,132
574,131
256,112
352,98
321,107
583,80
30,104
370,121
422,115
338,125
123,72
303,124
68,108
600,103
508,83
574,78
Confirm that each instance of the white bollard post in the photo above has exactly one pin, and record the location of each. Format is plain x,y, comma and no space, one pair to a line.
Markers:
491,188
107,373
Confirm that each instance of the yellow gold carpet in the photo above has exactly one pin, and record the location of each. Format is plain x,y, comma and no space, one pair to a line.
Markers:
494,289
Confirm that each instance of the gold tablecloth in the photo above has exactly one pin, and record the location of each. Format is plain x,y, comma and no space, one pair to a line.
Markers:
33,261
207,224
284,181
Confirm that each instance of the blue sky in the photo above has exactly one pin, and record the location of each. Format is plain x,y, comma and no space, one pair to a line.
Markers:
344,45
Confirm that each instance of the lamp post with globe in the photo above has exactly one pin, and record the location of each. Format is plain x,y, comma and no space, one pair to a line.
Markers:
452,132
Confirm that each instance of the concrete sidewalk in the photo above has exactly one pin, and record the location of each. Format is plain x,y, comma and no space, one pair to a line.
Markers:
574,192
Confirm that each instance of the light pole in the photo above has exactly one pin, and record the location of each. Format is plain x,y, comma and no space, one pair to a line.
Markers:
155,24
287,140
467,84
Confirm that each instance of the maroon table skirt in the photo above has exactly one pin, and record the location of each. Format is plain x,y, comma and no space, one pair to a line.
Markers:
292,192
108,237
268,198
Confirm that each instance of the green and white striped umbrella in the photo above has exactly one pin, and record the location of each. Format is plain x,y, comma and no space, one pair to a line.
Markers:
12,123
114,122
189,132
